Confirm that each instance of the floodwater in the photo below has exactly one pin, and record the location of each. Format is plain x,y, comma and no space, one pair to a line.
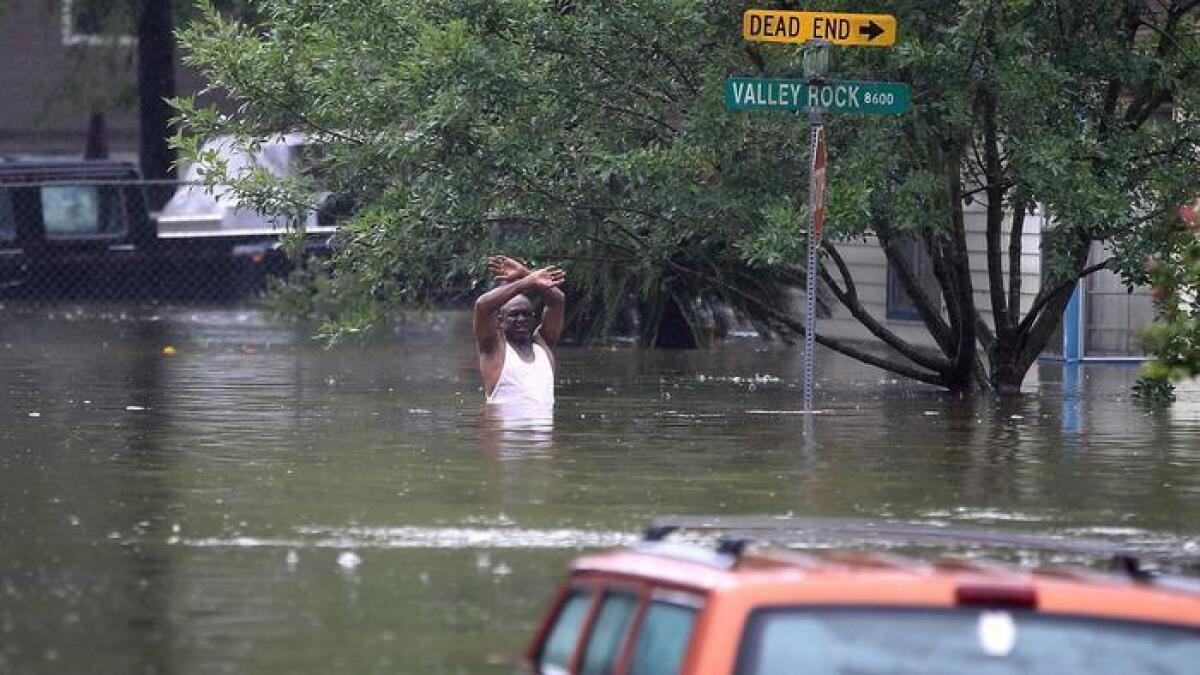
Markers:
207,491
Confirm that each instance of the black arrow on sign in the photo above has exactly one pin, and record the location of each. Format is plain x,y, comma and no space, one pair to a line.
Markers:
872,30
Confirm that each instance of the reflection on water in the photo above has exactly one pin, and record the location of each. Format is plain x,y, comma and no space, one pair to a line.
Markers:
516,429
195,508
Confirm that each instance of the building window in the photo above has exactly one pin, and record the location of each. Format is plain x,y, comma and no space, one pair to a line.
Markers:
95,22
899,305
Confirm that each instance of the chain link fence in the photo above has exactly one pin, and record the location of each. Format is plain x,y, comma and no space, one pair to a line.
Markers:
77,231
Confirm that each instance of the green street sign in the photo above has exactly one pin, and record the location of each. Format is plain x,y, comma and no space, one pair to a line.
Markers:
847,98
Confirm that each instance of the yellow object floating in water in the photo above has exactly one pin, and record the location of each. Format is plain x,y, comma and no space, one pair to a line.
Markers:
169,350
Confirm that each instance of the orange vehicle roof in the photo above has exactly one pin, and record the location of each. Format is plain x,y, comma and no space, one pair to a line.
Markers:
782,578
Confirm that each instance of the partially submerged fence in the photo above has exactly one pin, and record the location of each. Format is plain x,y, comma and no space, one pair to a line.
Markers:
96,231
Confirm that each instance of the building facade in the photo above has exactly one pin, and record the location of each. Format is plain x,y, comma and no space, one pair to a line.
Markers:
1107,322
64,65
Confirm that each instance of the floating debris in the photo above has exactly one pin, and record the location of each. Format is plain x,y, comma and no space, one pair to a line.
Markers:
349,560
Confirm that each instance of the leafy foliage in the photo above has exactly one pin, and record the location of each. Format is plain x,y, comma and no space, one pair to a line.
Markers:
593,135
1175,339
588,134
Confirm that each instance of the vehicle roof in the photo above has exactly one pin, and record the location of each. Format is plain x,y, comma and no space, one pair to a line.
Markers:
20,170
773,578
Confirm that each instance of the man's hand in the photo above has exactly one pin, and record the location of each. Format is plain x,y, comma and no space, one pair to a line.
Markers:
544,282
546,278
505,268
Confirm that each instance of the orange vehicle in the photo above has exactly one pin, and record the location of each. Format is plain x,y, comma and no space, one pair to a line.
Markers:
667,606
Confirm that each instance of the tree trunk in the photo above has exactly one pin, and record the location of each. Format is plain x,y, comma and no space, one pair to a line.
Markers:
97,138
1006,376
156,84
673,330
961,305
1012,359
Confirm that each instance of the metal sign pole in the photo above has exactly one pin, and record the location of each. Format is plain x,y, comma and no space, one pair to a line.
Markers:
810,291
816,65
817,31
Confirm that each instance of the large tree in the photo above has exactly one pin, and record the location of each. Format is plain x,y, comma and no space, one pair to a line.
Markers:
594,134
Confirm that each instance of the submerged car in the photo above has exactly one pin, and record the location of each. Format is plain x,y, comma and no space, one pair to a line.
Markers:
665,606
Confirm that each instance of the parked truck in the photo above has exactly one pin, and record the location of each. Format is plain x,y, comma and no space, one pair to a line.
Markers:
85,228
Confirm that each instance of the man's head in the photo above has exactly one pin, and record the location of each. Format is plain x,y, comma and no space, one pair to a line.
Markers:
518,320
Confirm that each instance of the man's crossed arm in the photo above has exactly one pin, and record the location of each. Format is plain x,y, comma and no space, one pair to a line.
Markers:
519,279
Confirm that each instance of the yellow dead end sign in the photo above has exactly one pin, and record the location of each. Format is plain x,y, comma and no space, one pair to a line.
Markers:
849,30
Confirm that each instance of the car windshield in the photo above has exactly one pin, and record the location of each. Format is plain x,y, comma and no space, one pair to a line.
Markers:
879,640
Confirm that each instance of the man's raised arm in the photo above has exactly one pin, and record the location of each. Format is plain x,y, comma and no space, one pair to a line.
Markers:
552,315
543,281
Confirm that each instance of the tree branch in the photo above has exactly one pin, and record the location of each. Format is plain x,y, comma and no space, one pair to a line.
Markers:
995,214
936,324
1015,247
843,269
1044,296
966,349
984,331
795,326
880,331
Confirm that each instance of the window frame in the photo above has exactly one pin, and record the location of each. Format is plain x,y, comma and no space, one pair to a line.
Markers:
631,624
667,596
645,593
560,604
898,306
111,202
70,38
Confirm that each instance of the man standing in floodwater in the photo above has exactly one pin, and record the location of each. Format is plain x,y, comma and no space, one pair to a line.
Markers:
515,349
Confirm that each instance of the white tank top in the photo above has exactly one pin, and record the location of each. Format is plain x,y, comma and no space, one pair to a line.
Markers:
525,382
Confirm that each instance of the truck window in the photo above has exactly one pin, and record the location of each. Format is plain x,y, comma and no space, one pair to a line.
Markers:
8,221
662,639
560,644
608,633
884,640
80,211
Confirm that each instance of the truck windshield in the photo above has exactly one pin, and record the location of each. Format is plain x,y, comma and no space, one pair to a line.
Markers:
885,640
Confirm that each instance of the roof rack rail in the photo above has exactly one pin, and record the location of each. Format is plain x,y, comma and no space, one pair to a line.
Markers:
793,531
658,532
732,545
1130,566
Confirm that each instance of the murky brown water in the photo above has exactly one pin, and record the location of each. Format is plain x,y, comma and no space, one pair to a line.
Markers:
253,504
